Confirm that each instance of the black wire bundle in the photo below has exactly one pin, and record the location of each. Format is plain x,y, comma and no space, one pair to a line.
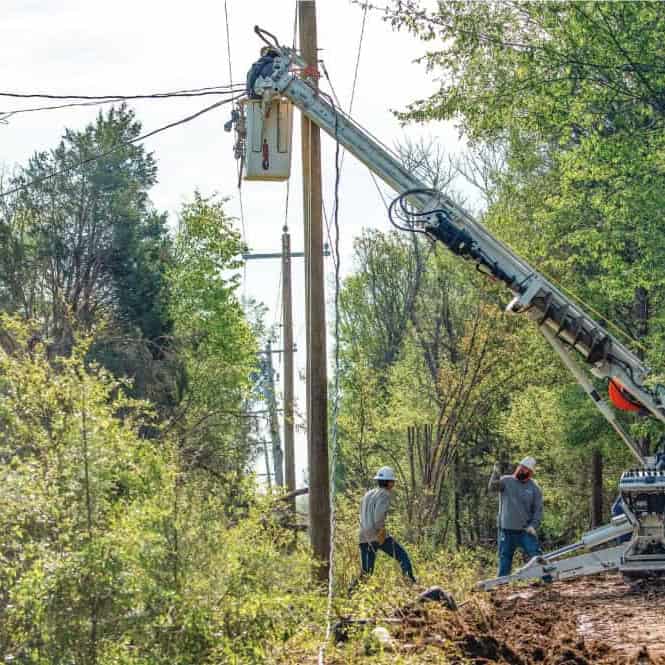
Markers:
409,219
70,101
79,164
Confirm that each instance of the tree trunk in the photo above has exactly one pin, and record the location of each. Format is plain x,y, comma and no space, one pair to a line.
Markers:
641,318
457,506
596,488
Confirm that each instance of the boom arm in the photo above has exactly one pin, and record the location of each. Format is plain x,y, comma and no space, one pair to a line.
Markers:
565,324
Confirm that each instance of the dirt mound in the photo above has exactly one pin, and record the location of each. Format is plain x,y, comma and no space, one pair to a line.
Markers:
599,620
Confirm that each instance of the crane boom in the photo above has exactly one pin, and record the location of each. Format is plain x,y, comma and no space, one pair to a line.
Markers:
282,75
438,216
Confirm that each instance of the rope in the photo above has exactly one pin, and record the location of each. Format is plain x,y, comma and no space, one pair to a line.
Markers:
243,230
279,306
286,206
335,410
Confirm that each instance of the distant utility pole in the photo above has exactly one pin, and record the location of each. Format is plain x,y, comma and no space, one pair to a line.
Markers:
259,378
266,457
287,319
268,387
317,395
289,349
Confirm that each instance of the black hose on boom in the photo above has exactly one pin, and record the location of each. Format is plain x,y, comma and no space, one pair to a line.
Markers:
454,237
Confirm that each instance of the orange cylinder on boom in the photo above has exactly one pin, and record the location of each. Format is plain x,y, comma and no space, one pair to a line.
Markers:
621,399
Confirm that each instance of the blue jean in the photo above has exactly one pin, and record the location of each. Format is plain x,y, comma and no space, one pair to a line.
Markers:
392,548
509,541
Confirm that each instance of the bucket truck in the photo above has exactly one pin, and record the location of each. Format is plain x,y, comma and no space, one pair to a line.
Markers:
281,79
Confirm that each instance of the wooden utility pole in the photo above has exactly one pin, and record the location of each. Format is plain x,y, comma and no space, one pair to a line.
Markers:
287,319
317,397
289,349
269,392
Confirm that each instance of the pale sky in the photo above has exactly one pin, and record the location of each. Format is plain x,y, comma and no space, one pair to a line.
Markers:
96,47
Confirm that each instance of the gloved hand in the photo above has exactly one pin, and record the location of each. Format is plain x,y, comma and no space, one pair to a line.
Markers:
531,531
382,536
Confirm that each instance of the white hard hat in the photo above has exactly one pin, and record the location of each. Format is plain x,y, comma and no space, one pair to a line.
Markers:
385,473
529,463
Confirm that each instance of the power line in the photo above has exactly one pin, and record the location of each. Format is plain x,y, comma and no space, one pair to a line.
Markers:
238,166
122,144
335,409
280,317
5,115
355,73
332,88
242,217
194,92
330,240
228,40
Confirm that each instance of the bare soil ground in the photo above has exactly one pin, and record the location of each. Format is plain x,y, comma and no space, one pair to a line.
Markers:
597,620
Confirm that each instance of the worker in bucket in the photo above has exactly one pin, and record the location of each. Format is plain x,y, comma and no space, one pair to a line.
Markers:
520,512
373,536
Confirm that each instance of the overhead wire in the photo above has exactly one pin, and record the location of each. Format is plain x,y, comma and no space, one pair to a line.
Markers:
286,205
228,40
355,73
336,335
328,233
276,325
193,92
371,174
122,144
6,115
353,93
90,100
279,305
243,230
282,276
335,409
323,203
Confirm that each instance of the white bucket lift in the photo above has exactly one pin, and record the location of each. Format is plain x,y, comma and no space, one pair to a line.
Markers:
268,140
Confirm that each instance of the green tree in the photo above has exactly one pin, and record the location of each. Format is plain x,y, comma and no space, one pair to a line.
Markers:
422,346
572,92
570,95
82,245
213,338
111,553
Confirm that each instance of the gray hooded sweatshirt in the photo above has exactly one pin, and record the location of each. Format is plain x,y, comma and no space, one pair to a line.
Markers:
520,504
373,511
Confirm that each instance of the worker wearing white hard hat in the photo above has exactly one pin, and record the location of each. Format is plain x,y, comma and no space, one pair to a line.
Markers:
373,537
520,512
385,473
